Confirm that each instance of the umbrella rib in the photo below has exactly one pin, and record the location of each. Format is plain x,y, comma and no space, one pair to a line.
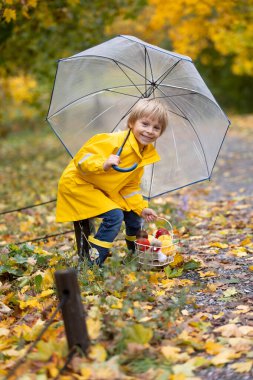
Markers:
182,116
195,133
194,93
149,61
156,48
102,57
127,76
87,95
145,62
167,72
193,130
177,188
127,113
122,93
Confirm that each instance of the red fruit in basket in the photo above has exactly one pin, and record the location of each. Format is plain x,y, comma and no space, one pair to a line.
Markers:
141,234
160,232
143,244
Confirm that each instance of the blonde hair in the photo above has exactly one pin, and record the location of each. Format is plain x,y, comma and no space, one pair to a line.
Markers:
152,108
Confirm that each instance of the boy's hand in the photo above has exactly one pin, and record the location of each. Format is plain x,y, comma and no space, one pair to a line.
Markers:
149,215
111,160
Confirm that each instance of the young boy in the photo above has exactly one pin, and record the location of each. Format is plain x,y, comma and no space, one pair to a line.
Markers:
90,187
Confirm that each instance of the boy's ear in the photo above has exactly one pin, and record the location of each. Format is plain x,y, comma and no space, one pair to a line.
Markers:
130,126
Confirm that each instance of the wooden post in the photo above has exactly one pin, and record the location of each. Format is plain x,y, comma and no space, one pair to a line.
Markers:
72,310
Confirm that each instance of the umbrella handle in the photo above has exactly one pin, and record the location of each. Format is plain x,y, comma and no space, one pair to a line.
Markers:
123,170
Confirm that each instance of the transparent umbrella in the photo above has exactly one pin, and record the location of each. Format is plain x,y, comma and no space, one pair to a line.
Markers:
95,90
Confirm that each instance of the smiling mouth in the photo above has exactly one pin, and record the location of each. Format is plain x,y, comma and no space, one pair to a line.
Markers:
147,138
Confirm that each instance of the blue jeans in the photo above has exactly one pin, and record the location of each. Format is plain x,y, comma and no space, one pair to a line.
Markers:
109,229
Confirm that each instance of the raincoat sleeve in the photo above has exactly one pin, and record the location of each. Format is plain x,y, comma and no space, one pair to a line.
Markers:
92,156
132,194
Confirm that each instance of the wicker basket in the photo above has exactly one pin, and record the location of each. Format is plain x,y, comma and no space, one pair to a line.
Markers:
153,257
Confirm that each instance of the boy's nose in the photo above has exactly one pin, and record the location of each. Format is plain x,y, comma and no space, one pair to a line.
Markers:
150,130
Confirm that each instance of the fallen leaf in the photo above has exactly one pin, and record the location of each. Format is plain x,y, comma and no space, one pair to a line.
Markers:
207,274
225,356
219,245
243,367
230,292
242,309
138,334
213,348
94,327
98,353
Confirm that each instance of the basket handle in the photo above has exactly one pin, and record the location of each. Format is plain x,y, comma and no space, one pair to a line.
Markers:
171,228
166,220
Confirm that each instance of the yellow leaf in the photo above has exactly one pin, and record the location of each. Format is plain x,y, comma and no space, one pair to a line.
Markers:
212,287
178,260
154,278
246,241
32,3
251,267
242,309
46,293
179,376
246,330
159,293
217,316
33,303
138,334
13,352
131,277
239,252
207,274
86,373
98,353
114,302
240,344
117,305
230,292
228,330
213,348
130,312
52,370
169,352
9,14
93,326
218,245
225,356
168,283
186,369
44,351
243,366
53,261
4,331
48,279
29,333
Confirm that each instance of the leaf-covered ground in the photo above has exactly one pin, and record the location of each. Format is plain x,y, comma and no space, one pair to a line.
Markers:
193,320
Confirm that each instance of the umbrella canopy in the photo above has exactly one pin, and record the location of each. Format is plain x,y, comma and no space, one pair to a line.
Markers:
95,90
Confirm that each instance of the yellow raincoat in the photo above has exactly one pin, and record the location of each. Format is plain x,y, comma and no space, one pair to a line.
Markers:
85,190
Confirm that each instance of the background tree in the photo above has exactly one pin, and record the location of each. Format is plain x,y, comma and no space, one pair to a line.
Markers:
217,35
34,35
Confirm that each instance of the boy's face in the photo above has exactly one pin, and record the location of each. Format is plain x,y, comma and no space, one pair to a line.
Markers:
146,130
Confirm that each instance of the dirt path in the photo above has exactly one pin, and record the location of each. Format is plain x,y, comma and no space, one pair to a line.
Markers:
233,173
222,211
